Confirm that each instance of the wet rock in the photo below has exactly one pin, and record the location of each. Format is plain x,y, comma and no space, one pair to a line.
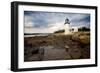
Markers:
35,51
66,47
86,53
75,53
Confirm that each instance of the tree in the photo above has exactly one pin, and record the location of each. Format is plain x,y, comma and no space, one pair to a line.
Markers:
60,31
83,29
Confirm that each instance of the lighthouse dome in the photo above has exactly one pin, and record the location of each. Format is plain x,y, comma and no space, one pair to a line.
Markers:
67,21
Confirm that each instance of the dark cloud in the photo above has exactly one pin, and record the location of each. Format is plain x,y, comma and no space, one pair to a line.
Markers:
45,19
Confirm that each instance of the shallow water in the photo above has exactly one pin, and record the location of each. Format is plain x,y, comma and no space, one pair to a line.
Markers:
49,53
38,34
52,53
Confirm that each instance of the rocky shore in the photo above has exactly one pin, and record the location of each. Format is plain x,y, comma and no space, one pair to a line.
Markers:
57,47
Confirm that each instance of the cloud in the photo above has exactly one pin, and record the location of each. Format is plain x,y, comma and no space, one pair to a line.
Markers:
48,22
81,20
28,21
53,28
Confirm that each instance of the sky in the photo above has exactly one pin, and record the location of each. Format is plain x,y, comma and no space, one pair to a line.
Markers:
49,22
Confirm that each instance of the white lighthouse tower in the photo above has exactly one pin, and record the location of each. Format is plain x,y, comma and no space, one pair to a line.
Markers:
67,26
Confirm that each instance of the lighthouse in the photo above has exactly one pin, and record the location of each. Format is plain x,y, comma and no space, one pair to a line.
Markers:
67,26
